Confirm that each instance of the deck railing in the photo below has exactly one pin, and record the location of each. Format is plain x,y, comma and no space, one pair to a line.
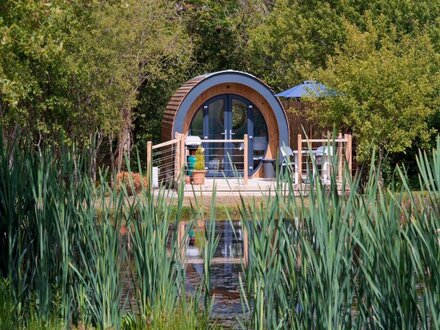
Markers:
217,160
321,155
166,162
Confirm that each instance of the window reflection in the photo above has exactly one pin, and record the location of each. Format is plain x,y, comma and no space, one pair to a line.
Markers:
196,127
260,138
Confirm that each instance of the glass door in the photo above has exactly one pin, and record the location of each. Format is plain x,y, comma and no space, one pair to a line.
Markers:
238,125
215,128
230,117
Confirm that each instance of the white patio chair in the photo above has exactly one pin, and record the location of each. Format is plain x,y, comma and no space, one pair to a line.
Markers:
288,164
323,160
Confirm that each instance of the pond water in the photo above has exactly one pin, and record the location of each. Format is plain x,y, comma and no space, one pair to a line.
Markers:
225,271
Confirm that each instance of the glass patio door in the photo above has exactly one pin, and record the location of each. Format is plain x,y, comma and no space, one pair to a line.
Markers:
215,128
227,117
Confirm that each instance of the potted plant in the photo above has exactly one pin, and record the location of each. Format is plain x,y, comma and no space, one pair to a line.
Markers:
199,172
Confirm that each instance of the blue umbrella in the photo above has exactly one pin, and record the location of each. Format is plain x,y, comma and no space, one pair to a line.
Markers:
308,88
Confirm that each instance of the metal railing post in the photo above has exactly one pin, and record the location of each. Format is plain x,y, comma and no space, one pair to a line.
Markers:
246,159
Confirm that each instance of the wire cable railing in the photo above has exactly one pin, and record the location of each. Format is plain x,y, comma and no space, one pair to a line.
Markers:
167,161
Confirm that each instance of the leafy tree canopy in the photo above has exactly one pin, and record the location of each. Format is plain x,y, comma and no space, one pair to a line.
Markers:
387,90
303,33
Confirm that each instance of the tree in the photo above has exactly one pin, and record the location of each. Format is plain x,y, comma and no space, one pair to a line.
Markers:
298,34
35,69
219,31
71,69
388,90
135,43
294,34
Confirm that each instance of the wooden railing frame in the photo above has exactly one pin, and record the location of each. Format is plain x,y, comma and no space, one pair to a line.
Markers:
340,140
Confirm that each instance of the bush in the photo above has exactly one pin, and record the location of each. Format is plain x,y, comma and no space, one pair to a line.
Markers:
131,181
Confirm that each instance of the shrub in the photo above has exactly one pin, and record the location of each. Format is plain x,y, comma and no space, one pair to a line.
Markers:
127,179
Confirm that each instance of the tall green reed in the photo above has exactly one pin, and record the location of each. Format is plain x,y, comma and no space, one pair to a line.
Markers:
64,249
345,255
158,272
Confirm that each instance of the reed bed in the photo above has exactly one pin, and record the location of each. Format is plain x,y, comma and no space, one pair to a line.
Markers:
66,243
365,258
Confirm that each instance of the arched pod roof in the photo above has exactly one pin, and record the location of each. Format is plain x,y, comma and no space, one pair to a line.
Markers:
180,103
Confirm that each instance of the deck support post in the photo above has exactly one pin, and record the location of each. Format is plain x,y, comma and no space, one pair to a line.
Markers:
182,156
340,158
348,152
299,174
245,159
149,164
245,246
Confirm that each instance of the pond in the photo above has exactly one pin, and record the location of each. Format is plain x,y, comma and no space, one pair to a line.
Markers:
225,271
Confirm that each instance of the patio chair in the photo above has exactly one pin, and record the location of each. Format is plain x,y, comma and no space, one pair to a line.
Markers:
288,161
323,161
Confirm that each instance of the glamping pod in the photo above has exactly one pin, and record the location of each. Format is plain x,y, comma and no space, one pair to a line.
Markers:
226,105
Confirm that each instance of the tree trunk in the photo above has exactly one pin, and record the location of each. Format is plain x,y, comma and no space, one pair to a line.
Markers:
124,140
112,159
95,144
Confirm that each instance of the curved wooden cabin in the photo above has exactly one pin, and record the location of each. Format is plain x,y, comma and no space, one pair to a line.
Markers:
227,105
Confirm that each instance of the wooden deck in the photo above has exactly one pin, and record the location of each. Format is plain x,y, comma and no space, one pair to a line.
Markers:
234,186
255,187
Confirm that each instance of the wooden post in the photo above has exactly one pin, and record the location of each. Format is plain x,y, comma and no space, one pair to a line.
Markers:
349,153
149,163
177,157
299,159
245,159
182,156
340,158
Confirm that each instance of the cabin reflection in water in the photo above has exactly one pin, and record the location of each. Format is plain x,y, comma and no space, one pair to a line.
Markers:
225,271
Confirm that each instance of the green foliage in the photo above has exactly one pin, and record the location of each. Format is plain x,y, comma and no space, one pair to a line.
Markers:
200,159
301,34
219,31
294,34
388,91
71,69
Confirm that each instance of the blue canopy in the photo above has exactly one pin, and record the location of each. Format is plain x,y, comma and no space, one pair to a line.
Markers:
308,88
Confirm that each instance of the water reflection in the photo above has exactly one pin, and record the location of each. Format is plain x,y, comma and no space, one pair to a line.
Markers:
225,272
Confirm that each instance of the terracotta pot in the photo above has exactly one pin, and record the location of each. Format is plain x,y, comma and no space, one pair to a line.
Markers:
198,177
